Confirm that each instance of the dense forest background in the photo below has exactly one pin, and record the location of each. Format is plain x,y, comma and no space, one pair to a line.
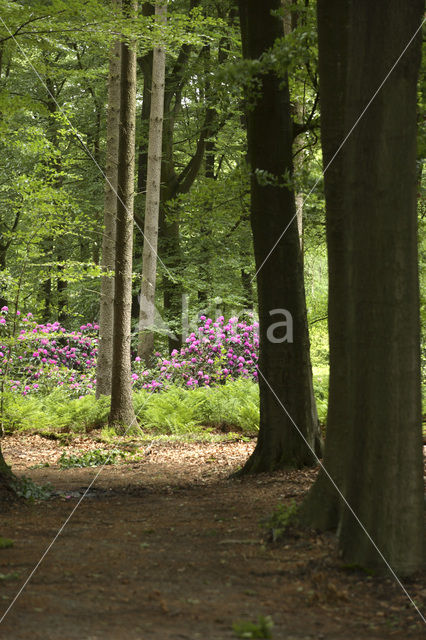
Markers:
53,74
54,145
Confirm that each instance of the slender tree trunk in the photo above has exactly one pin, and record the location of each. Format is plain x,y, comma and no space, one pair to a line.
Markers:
149,255
122,412
374,439
47,296
106,310
61,288
285,375
205,235
3,264
145,65
169,240
247,286
172,289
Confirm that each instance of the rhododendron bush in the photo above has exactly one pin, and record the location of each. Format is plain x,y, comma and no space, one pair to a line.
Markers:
37,358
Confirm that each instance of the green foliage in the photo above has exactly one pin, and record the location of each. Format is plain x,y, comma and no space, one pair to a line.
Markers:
233,406
281,519
5,543
26,488
261,629
321,392
174,411
94,458
55,412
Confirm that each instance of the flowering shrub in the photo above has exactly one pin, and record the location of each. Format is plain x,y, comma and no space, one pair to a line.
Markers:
217,352
41,357
37,358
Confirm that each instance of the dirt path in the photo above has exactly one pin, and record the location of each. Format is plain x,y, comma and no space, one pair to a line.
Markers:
169,548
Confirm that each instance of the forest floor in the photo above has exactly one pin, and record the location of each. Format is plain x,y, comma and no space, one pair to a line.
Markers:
168,547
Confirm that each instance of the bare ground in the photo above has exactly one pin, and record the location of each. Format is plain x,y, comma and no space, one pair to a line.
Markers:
169,547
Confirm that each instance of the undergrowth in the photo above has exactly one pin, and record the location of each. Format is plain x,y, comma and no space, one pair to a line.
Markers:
262,629
26,488
173,412
93,458
280,520
176,412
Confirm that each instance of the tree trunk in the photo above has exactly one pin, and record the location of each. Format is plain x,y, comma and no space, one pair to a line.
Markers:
175,184
3,264
150,245
290,20
61,288
47,298
122,412
106,310
7,492
172,289
374,437
285,375
204,268
247,286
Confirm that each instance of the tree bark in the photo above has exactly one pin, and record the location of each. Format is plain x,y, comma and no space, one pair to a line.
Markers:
122,412
374,438
285,374
106,309
7,491
145,65
175,184
150,245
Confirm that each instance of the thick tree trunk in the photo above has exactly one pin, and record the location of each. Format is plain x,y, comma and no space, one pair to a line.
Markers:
150,245
122,412
285,375
374,439
290,20
7,492
106,310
